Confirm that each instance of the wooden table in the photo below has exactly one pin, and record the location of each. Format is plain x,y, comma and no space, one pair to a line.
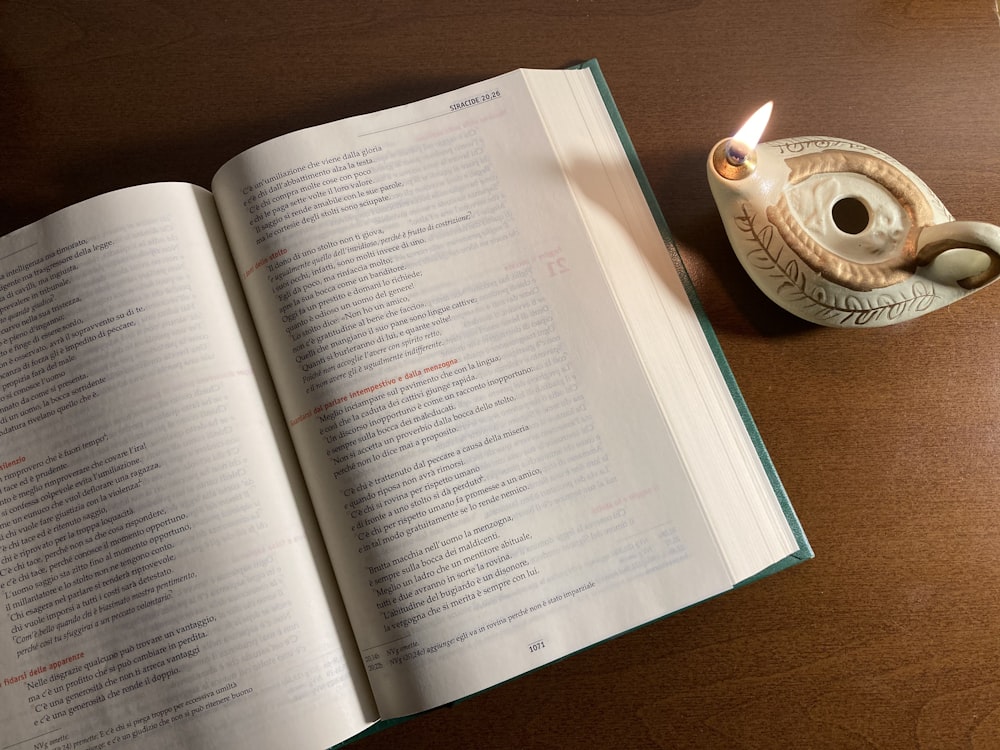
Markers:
887,440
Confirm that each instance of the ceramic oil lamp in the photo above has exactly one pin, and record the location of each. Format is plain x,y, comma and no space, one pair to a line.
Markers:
842,234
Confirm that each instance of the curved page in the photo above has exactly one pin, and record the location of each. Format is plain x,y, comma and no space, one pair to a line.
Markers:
494,478
157,581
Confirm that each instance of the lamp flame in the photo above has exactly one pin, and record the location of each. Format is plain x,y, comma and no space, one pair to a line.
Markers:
742,144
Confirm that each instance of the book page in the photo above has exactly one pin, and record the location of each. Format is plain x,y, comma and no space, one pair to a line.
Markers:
157,581
494,477
737,494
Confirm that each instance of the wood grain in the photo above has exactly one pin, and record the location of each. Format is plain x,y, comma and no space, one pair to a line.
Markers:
887,440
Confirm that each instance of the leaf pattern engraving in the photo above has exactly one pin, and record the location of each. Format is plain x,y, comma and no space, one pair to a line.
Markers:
800,145
793,284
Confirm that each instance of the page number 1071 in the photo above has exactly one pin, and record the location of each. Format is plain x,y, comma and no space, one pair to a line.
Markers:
536,646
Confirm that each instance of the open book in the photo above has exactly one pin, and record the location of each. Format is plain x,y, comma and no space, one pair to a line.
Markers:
408,405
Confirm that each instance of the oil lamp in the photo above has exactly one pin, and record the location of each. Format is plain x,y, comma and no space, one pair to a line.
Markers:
841,234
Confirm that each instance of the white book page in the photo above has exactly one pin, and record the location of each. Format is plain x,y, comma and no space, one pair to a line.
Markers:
493,475
736,493
157,581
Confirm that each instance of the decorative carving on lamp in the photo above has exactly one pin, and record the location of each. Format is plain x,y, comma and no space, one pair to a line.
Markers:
841,234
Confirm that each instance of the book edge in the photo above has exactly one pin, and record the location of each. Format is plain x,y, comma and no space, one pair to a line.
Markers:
804,551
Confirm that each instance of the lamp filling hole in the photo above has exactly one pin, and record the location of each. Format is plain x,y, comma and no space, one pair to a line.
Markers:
851,215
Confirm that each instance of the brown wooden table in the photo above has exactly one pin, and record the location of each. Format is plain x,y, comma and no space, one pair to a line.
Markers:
887,440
